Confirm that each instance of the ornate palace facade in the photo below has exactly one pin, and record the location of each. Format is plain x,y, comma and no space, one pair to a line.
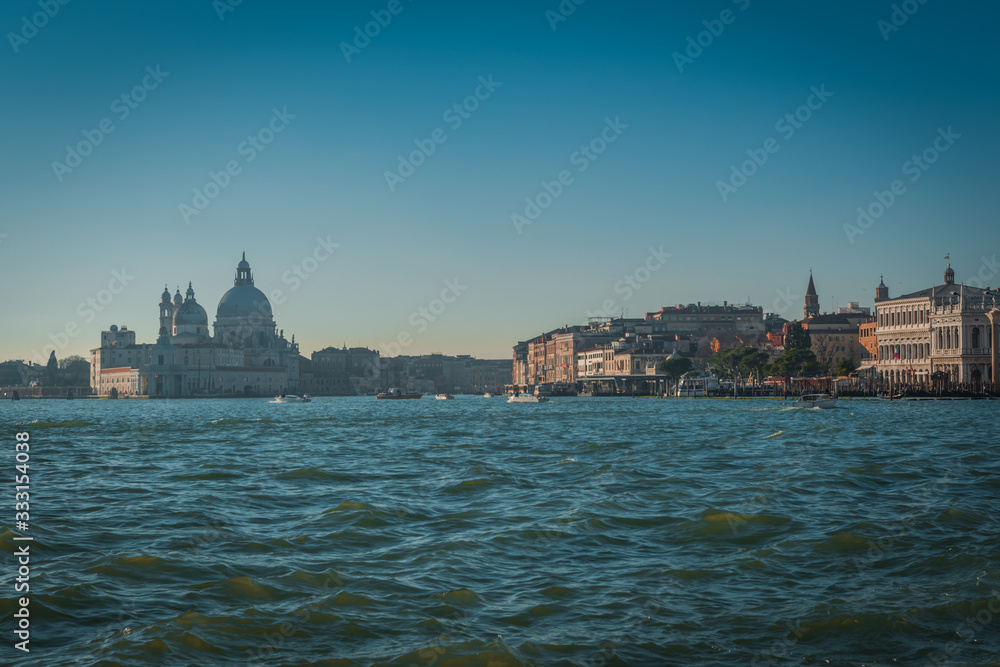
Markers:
949,329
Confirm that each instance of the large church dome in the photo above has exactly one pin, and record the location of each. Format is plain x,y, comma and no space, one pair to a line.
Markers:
243,298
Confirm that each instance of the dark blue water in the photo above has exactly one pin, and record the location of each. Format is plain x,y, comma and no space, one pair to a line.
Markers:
351,531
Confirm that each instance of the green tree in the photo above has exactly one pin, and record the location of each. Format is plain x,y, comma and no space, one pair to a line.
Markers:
74,371
753,364
846,367
797,337
675,367
727,362
795,362
52,367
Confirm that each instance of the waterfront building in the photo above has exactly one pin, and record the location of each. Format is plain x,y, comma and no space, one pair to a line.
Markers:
246,354
745,323
551,356
629,356
835,338
853,308
868,342
554,356
342,372
490,374
949,329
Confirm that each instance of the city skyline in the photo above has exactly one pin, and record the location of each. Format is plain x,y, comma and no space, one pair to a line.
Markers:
534,164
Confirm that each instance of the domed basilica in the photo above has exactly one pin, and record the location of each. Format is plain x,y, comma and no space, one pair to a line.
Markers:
246,355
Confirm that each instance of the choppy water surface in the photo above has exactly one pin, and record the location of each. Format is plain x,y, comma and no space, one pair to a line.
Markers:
351,531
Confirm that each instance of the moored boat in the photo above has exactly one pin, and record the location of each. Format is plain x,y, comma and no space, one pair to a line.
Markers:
487,395
444,397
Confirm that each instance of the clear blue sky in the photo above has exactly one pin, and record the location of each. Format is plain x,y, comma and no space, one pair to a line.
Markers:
324,173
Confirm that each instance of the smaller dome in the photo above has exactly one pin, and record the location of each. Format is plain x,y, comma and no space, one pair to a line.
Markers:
166,295
949,271
178,299
191,313
114,328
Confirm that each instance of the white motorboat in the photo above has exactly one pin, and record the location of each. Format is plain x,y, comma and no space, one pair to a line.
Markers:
444,397
821,401
395,393
527,398
693,384
292,398
487,395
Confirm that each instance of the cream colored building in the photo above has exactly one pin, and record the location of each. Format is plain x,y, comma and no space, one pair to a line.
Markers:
947,328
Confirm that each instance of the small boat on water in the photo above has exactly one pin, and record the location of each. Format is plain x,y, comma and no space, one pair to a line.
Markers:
292,398
395,393
487,395
444,397
527,398
822,401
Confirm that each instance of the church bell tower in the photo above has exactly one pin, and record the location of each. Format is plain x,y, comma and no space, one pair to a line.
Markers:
811,306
